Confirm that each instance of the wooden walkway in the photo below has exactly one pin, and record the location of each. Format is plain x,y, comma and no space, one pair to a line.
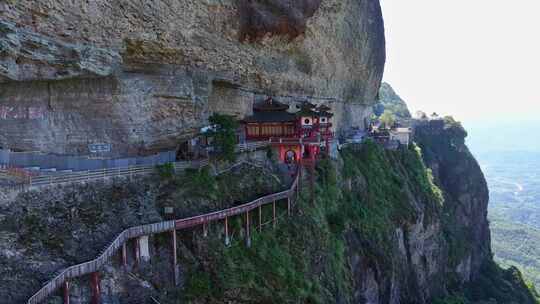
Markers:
119,244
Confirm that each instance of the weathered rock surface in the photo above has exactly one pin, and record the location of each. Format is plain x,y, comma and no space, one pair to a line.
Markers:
27,55
142,75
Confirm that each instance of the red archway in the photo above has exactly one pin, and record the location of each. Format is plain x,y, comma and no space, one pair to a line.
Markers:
290,157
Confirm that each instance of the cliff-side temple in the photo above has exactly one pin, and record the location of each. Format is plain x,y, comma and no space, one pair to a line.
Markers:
297,135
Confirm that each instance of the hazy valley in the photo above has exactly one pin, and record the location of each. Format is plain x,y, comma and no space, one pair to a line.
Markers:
513,177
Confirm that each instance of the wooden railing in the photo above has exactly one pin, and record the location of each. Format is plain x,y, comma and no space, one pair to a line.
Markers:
94,265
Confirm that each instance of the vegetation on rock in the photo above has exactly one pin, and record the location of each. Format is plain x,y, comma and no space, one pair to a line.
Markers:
165,171
391,102
388,118
224,135
306,259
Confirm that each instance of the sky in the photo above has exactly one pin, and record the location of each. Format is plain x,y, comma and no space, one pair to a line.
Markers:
478,60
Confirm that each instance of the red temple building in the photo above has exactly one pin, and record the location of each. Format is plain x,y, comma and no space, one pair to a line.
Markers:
296,136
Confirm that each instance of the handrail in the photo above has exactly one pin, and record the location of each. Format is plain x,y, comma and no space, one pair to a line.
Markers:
106,173
42,180
137,231
306,140
251,146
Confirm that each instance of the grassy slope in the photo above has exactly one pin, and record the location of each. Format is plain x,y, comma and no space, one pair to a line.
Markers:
304,260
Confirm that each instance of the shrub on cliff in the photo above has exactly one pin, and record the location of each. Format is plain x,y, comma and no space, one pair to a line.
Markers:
165,171
224,135
388,118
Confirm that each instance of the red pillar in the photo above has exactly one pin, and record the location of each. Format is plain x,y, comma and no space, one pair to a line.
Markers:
312,183
227,241
175,258
123,255
289,206
274,214
260,218
66,292
205,230
300,169
96,292
248,235
137,251
327,147
297,192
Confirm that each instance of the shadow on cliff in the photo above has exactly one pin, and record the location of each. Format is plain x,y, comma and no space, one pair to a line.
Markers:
275,17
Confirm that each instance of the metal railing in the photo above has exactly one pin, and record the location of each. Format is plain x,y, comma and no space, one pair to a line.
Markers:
82,176
94,265
33,180
251,146
305,141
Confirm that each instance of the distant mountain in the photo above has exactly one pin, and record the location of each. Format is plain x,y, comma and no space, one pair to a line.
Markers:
390,100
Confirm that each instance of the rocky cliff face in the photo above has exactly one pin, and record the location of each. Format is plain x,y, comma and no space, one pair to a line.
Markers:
466,194
439,235
422,234
143,75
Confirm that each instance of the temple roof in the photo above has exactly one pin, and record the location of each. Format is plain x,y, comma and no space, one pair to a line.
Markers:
270,116
271,110
325,114
323,108
309,105
270,105
305,111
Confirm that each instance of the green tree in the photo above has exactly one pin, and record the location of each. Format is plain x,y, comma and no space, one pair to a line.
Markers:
224,135
388,118
165,171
